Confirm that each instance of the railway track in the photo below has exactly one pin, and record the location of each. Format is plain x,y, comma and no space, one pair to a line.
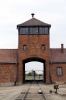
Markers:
34,92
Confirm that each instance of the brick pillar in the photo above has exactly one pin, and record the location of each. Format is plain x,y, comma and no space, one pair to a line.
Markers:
20,73
47,72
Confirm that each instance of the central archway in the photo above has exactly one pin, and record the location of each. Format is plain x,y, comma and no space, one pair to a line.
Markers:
38,60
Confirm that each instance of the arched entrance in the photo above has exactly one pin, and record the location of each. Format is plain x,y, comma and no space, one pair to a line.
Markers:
38,60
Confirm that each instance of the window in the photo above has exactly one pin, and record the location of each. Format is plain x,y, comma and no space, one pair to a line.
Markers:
20,30
36,30
24,47
46,30
33,30
59,71
24,30
41,30
42,47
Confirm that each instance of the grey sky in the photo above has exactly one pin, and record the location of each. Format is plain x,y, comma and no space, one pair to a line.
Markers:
13,12
34,66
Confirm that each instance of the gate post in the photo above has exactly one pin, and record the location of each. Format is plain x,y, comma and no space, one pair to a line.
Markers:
34,75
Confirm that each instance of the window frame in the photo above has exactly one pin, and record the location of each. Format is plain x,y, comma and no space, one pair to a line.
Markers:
58,71
24,47
33,28
33,31
43,49
46,30
24,31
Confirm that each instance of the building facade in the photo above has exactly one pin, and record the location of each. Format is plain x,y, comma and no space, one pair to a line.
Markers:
33,45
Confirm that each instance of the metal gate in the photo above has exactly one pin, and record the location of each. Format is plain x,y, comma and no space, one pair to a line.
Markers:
34,76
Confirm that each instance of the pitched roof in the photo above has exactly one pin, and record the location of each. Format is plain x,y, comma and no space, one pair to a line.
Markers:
57,56
8,55
33,22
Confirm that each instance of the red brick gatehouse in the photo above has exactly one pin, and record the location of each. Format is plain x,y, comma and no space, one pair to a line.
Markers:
33,45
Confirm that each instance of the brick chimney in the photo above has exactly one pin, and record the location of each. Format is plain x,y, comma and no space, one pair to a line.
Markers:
62,48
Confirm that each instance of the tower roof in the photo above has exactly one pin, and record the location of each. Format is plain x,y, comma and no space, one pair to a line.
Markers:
33,22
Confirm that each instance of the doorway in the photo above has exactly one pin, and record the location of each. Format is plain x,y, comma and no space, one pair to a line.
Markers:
34,70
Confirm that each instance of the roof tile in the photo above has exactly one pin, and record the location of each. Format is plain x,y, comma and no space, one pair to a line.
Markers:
8,55
33,22
57,56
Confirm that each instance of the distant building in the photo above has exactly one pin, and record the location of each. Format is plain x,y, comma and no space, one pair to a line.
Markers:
33,45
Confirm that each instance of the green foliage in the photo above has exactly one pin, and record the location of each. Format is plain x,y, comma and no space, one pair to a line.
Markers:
29,74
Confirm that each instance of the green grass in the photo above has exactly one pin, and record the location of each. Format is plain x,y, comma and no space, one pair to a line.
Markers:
32,77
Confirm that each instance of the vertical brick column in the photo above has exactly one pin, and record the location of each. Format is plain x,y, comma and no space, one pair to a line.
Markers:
47,72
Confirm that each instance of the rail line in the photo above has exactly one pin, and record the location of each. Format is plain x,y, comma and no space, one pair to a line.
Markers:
34,92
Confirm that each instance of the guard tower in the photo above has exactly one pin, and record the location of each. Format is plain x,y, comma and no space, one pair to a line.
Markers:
33,45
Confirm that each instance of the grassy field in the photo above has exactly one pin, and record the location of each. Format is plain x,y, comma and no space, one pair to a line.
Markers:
32,77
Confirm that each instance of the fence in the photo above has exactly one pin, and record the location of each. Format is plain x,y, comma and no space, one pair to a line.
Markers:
34,75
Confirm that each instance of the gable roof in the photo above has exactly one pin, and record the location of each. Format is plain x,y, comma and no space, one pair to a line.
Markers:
33,22
8,55
57,56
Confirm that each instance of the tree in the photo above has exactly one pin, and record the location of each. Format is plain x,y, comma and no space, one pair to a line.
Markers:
29,74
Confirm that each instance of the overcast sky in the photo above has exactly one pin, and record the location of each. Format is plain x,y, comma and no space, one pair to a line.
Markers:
37,66
13,12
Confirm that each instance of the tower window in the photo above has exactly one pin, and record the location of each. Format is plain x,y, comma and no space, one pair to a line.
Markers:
41,30
42,47
33,30
46,30
24,30
21,30
59,71
24,47
36,30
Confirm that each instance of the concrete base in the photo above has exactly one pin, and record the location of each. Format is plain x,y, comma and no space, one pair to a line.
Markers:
10,84
19,83
7,84
59,83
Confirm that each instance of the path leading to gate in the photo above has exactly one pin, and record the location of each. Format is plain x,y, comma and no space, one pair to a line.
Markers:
13,92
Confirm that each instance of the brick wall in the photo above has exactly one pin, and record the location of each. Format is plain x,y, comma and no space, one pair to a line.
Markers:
54,76
7,73
33,43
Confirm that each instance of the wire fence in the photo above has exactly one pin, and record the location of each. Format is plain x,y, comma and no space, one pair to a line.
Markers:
34,75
